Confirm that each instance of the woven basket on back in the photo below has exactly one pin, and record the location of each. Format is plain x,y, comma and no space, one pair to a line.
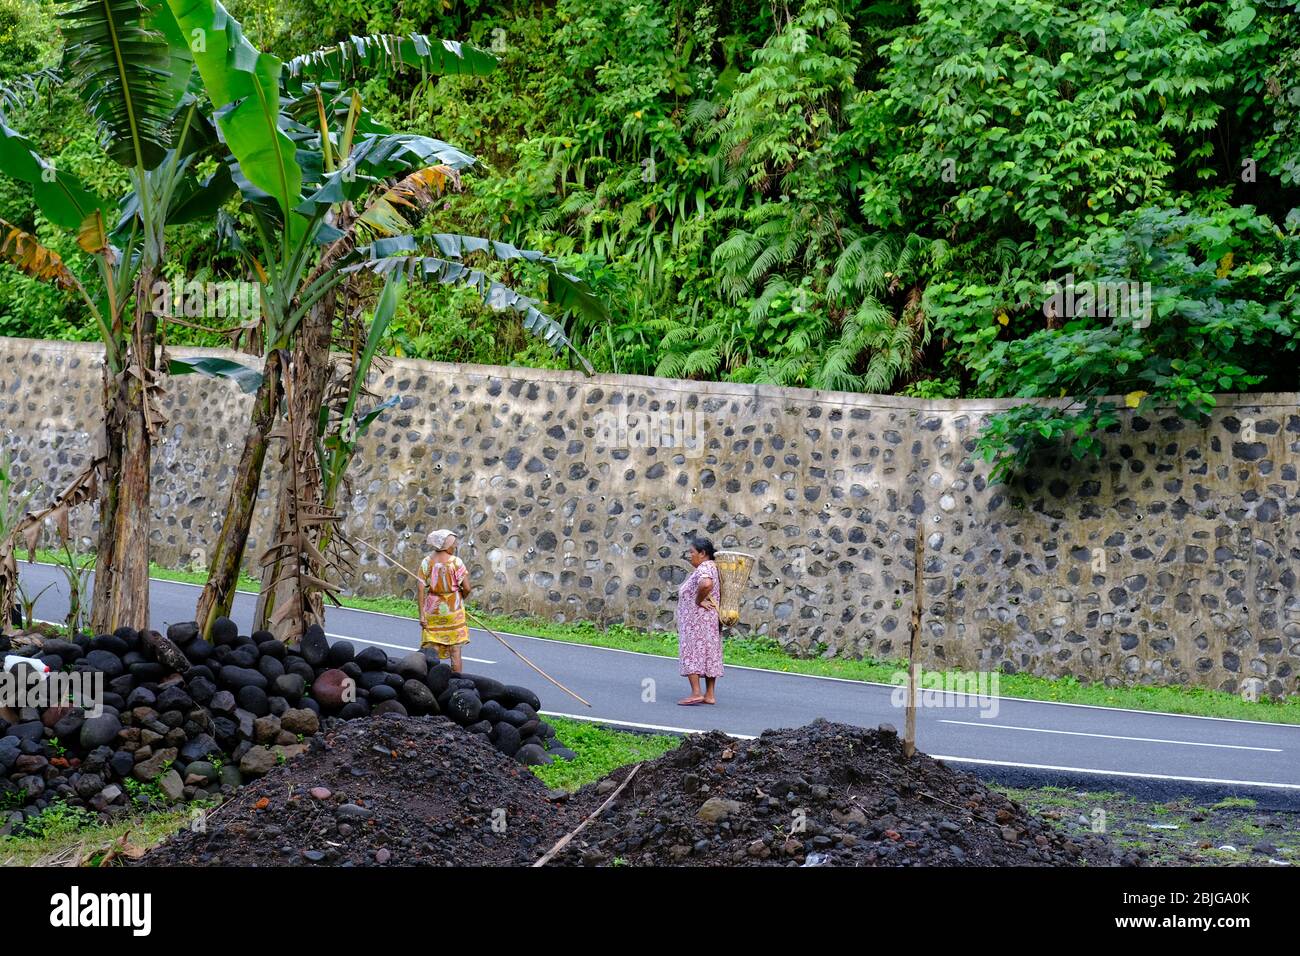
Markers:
733,569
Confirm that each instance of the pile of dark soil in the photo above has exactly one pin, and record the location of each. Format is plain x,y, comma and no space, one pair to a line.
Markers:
403,791
824,794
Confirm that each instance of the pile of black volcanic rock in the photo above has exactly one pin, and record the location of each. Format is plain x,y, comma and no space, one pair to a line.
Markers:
185,718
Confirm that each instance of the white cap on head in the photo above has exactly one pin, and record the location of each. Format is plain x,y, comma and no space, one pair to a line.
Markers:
438,539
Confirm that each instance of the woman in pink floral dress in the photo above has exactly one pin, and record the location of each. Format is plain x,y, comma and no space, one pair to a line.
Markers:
698,632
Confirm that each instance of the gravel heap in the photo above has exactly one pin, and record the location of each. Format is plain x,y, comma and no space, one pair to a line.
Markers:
402,791
195,719
823,794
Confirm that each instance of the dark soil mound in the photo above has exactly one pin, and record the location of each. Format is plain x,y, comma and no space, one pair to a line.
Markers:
399,790
821,794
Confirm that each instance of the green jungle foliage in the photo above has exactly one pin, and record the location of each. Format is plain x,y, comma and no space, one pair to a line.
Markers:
861,195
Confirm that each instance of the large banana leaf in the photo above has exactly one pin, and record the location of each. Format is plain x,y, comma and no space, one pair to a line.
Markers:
375,158
248,379
367,56
562,288
126,71
25,252
400,255
59,195
244,86
18,91
384,215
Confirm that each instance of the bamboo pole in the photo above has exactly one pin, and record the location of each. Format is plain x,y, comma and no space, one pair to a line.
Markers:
909,736
478,622
564,840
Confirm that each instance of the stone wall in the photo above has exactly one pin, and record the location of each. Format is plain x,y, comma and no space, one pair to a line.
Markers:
1172,559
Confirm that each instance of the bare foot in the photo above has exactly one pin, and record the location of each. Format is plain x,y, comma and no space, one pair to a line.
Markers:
691,701
710,700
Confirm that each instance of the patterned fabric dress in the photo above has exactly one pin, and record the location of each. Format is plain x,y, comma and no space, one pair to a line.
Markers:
699,636
444,606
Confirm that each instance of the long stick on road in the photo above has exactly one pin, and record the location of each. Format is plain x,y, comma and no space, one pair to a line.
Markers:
477,621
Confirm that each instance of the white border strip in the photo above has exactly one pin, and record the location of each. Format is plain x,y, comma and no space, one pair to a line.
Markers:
1117,773
1077,733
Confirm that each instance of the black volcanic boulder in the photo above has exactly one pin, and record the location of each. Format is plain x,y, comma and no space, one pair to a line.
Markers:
173,698
198,651
315,646
487,687
107,662
372,659
418,697
97,731
254,700
463,706
506,738
293,664
245,655
182,634
357,708
237,677
438,678
270,668
532,755
340,653
289,686
67,650
224,631
516,718
111,643
514,694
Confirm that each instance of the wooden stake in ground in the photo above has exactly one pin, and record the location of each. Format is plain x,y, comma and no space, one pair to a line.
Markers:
909,735
481,625
564,840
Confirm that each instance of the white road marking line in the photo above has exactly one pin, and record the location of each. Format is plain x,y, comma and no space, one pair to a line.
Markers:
1076,733
397,647
1117,773
629,723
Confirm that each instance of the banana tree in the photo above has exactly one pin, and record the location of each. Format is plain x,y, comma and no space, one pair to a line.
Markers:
297,152
304,160
131,66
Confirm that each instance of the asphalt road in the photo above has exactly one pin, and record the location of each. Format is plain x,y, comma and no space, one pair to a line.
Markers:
1017,741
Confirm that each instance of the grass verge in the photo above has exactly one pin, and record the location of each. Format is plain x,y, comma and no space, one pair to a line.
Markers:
600,752
1232,832
766,654
66,837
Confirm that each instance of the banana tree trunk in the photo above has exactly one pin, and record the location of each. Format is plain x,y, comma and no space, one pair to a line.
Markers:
121,595
223,569
300,480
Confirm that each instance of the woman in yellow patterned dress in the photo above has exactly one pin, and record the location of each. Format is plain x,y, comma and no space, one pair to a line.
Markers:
444,585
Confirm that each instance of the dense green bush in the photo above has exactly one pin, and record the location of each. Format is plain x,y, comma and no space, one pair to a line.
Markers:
839,194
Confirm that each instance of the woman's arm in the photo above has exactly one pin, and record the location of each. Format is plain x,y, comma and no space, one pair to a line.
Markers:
703,590
464,587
